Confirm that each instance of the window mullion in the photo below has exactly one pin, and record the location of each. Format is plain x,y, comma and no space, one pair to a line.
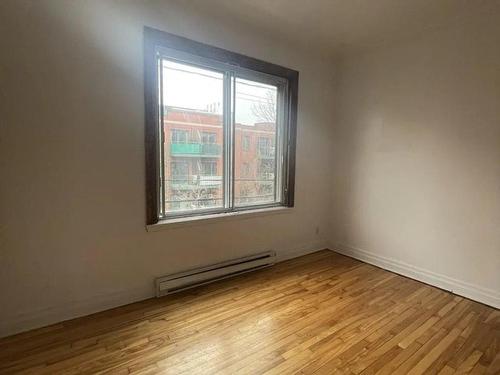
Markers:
227,144
233,135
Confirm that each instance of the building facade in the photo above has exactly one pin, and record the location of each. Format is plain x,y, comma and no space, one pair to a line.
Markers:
194,161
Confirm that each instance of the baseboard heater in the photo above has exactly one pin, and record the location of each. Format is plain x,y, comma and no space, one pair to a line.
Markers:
189,279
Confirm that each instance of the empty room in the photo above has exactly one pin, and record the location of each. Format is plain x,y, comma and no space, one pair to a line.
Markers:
250,187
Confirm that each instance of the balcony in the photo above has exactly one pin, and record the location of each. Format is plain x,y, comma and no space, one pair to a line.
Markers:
195,149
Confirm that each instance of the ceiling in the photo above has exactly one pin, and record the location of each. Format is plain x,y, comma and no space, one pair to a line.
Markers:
333,26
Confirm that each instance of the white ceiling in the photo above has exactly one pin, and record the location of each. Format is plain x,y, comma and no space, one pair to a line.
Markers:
333,26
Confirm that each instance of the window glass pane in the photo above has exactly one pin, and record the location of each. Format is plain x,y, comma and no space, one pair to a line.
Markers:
255,127
193,137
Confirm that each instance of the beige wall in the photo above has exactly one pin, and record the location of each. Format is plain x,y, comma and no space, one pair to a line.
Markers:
417,157
73,238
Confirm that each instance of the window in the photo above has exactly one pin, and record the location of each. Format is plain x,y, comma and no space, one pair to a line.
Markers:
209,168
265,148
208,138
179,170
245,143
245,170
179,136
227,115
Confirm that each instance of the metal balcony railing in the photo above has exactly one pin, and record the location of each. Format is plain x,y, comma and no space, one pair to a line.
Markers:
194,181
195,149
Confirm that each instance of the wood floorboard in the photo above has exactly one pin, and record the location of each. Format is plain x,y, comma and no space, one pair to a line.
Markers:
322,313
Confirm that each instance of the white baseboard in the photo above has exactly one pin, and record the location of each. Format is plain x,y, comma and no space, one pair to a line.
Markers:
465,289
10,325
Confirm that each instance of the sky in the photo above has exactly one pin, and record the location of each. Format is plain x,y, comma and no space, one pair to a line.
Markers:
194,88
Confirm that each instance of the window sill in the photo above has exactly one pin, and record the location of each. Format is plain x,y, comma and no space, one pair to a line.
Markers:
214,218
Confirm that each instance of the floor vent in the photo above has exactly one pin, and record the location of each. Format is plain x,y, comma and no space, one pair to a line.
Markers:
204,275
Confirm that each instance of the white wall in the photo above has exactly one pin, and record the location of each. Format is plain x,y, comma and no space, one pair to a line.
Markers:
417,158
72,237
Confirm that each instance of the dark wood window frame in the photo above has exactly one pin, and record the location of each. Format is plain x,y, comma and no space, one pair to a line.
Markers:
154,39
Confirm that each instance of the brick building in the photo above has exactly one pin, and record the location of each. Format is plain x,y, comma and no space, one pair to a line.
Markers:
194,162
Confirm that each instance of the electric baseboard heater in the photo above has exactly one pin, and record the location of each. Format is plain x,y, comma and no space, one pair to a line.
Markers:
189,279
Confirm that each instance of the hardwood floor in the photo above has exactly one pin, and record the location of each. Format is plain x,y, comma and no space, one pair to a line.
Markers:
322,313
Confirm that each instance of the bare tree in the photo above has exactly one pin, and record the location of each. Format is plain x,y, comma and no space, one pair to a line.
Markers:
265,109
